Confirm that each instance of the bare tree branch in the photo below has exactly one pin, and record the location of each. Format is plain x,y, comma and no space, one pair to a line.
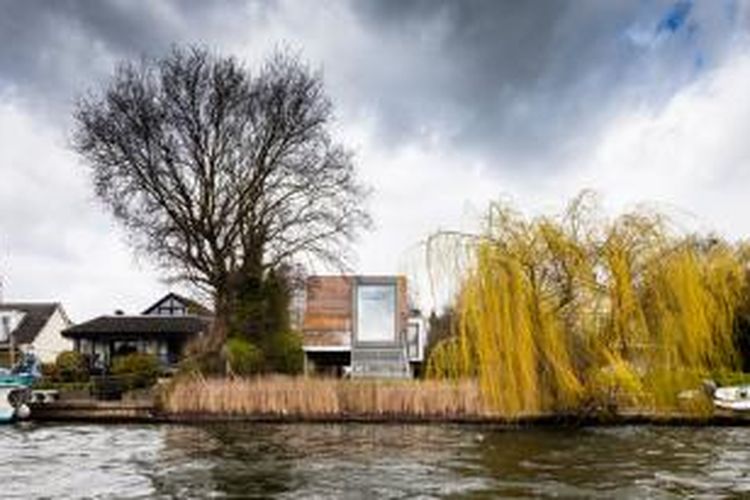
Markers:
216,171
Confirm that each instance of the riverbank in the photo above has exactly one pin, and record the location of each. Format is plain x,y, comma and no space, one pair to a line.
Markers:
297,400
118,412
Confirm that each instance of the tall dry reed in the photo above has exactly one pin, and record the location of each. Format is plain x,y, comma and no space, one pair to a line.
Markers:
321,397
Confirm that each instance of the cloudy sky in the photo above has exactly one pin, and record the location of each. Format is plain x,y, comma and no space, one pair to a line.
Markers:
447,104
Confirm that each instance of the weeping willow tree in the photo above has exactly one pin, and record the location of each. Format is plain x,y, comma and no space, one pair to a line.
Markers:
577,312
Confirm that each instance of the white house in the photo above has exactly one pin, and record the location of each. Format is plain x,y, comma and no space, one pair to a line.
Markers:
36,326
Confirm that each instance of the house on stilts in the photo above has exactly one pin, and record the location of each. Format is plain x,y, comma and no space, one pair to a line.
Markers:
360,326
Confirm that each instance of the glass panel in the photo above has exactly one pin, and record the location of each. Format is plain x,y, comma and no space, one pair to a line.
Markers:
125,347
376,313
84,346
177,310
151,347
101,354
413,340
163,352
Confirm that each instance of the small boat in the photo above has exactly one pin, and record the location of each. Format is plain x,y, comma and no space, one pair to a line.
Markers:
13,399
735,398
15,388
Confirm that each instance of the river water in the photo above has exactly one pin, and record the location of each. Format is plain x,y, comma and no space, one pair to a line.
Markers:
370,461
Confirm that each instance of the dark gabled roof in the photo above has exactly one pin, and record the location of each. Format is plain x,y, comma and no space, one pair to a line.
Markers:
139,325
35,317
193,307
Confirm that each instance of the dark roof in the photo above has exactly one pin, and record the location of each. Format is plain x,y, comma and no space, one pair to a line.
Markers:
35,317
193,307
138,325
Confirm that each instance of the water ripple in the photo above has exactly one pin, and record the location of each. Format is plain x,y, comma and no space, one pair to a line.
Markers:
370,461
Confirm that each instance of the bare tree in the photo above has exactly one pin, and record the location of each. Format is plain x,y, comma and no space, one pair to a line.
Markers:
218,173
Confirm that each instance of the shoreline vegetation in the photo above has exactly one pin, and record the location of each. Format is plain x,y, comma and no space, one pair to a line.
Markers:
323,397
285,399
564,313
569,319
572,319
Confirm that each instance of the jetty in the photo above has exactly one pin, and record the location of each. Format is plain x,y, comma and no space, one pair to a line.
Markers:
93,411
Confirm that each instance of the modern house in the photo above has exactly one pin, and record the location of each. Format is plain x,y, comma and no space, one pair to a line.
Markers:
34,326
163,329
361,326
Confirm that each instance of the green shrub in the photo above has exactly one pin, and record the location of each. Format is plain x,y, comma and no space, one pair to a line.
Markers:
284,353
136,370
733,378
46,384
202,356
208,363
70,367
244,357
50,373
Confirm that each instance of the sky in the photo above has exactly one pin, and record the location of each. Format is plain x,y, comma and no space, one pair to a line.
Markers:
448,105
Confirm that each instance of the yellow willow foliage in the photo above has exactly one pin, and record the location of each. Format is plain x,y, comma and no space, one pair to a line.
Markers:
573,312
691,299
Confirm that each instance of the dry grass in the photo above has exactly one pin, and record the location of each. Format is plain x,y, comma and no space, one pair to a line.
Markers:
319,397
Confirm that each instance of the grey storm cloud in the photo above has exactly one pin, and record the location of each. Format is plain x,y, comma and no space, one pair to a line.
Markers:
515,79
54,50
503,79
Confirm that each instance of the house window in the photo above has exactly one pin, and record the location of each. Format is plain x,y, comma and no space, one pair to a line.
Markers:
101,353
84,346
150,347
376,312
163,352
170,310
170,307
125,347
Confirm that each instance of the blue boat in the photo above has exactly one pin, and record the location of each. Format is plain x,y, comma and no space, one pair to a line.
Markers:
15,388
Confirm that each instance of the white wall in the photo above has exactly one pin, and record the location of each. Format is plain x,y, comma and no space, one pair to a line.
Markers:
49,343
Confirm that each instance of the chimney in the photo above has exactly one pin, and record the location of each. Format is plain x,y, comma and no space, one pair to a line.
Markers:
119,312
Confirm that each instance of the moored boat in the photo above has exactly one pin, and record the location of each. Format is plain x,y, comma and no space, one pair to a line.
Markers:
15,389
736,398
13,399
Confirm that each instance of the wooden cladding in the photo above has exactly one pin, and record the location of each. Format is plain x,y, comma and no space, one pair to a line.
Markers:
329,310
328,304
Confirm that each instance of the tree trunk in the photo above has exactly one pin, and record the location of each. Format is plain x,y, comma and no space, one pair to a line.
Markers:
220,327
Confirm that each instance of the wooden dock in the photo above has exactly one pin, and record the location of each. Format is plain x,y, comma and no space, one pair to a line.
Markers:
146,411
95,411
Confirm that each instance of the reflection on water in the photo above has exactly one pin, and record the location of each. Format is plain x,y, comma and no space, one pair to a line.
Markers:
370,461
